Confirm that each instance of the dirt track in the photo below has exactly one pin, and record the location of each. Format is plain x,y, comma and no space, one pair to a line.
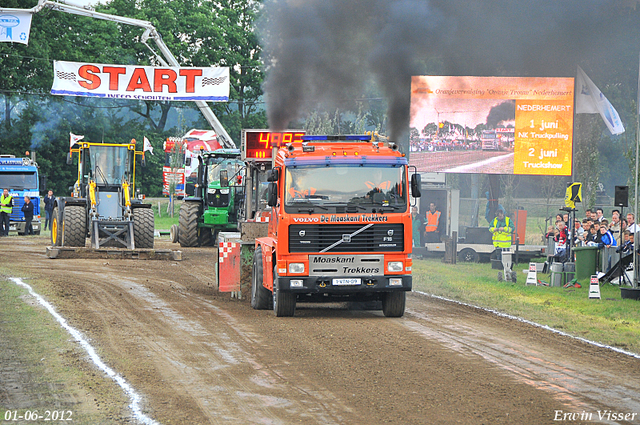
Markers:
198,357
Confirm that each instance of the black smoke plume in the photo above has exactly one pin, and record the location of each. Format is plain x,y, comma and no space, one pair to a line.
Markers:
505,111
322,52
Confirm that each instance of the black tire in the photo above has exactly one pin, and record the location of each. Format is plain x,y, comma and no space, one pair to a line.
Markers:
284,303
205,236
260,295
74,226
56,228
173,233
468,255
143,227
188,224
393,304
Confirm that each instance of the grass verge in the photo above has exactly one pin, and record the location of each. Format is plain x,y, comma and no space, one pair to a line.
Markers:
42,369
611,320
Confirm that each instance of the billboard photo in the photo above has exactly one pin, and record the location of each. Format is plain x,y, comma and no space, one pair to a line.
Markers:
492,125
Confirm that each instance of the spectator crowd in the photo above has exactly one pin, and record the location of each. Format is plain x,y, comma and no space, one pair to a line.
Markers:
594,230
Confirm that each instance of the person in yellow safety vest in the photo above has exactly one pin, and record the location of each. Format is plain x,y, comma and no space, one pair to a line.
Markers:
6,207
431,230
501,229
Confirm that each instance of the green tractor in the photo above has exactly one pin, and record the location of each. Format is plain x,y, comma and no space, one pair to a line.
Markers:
217,201
101,205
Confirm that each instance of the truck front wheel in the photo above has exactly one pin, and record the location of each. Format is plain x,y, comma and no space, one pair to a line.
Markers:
284,303
259,294
393,304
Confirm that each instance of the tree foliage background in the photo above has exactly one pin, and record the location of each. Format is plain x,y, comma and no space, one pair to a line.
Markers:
198,33
515,41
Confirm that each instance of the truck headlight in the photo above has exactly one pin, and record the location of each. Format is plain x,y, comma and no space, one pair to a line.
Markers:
394,266
296,267
224,191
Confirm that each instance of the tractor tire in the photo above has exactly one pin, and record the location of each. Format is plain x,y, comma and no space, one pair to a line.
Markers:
393,304
143,227
284,303
260,295
56,228
205,237
188,224
74,226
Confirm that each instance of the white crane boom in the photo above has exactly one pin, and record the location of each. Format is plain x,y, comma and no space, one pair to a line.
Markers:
149,33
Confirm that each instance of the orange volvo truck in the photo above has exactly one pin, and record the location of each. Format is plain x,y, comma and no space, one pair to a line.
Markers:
339,225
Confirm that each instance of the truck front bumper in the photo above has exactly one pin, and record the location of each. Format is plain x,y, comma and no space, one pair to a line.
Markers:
344,284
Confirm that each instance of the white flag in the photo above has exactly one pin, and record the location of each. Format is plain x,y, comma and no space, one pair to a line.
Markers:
15,26
589,100
73,139
147,146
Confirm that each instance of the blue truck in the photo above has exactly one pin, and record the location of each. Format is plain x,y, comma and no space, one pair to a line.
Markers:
20,176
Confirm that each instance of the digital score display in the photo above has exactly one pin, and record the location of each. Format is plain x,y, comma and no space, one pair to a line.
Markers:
257,145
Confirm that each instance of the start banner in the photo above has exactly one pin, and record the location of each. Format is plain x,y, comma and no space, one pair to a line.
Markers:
140,82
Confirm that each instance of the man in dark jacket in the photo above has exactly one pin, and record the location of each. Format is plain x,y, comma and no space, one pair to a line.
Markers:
49,202
27,210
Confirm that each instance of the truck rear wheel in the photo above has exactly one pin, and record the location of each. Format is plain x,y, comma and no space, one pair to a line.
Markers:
143,227
74,226
56,228
284,303
393,304
259,294
188,224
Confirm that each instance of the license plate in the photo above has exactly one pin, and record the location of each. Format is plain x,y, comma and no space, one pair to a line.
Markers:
347,282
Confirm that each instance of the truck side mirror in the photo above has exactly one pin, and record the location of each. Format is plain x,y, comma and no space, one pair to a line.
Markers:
187,162
416,181
273,175
43,183
224,178
143,162
69,158
272,196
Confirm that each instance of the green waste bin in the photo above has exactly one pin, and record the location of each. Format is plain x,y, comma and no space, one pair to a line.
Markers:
586,261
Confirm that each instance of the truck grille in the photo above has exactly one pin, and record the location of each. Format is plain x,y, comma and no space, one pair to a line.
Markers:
316,237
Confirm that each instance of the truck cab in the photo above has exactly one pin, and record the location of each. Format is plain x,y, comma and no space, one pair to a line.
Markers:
20,177
340,225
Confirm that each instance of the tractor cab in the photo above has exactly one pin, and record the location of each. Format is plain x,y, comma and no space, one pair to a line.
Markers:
101,205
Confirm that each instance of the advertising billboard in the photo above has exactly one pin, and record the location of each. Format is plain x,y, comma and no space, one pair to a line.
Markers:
492,125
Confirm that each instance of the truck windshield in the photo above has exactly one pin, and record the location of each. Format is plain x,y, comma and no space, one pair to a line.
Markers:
18,180
109,164
361,187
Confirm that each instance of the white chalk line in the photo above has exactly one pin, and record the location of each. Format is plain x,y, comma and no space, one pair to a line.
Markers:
134,397
529,322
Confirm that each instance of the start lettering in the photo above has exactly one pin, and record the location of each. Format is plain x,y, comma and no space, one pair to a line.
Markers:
93,78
